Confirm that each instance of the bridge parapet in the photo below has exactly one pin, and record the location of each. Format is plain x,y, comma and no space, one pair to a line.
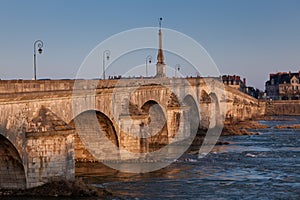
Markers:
29,86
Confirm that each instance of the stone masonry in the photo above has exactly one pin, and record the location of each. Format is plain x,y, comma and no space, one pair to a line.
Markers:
39,138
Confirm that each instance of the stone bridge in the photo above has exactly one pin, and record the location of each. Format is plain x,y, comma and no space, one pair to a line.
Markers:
47,125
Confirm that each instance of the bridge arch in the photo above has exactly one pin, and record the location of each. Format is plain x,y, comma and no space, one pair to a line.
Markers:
215,115
91,123
12,172
156,131
204,105
193,113
158,93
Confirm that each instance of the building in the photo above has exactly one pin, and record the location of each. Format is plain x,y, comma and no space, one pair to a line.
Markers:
256,93
283,86
234,82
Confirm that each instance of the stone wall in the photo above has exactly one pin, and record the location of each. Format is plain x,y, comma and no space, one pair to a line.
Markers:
50,156
283,107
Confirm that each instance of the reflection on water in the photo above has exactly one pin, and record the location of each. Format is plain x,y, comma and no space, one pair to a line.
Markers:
265,166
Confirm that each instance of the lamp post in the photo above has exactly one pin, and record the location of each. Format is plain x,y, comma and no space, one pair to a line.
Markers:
148,59
39,44
106,55
177,67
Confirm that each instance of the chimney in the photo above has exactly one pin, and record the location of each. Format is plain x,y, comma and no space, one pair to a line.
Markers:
244,81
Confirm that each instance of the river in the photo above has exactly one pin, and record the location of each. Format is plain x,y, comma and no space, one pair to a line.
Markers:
265,166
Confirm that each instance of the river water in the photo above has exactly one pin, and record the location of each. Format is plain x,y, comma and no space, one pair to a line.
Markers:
265,166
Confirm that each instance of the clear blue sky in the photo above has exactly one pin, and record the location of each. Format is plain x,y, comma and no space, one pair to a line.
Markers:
247,38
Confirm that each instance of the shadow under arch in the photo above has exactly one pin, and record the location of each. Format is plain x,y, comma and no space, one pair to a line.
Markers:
91,123
215,114
193,114
205,101
12,172
154,132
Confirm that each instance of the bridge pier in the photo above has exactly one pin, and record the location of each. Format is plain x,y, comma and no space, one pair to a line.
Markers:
138,136
132,128
178,123
50,156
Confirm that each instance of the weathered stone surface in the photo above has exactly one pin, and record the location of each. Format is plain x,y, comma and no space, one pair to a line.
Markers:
38,118
283,107
47,121
50,156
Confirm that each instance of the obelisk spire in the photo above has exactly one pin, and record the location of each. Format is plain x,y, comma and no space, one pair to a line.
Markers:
160,55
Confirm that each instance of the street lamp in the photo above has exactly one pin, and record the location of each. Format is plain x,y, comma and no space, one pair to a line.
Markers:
148,59
39,44
106,55
177,67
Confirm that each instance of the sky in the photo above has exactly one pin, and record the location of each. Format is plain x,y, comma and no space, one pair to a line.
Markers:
243,37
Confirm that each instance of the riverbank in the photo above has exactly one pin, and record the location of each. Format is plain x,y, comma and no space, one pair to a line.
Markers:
247,127
60,188
250,127
242,128
293,126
